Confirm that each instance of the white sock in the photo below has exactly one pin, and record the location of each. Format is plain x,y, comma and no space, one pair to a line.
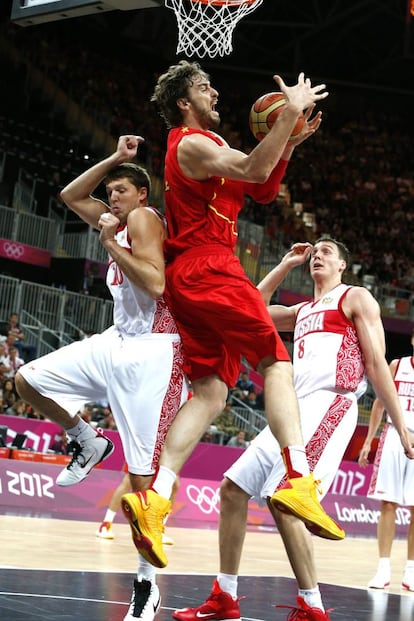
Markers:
384,565
164,482
312,597
109,516
228,583
146,571
81,431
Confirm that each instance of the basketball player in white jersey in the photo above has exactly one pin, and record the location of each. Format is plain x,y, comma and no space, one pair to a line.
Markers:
338,338
136,364
392,480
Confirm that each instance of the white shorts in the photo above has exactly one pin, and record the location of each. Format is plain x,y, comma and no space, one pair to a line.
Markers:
328,421
141,378
393,473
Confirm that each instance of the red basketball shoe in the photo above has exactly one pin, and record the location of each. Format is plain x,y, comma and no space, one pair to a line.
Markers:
219,606
305,612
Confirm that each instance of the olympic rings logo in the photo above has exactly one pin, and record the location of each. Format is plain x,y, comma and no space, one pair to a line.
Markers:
207,499
13,251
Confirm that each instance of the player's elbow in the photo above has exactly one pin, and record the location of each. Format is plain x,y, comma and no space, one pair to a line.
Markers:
66,196
157,290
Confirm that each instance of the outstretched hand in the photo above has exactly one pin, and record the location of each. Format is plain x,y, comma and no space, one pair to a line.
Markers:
302,94
309,127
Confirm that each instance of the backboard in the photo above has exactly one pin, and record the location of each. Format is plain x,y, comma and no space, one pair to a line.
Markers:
31,12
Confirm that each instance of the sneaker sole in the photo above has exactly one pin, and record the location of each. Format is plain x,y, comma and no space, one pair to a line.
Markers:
142,543
406,587
176,615
315,527
379,587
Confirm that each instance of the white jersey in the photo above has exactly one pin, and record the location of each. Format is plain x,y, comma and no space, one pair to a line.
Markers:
136,365
326,340
404,382
136,312
393,473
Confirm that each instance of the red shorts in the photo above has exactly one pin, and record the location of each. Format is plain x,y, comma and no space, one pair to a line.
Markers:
220,314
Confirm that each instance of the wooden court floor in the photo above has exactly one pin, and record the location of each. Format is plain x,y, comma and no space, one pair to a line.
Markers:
58,570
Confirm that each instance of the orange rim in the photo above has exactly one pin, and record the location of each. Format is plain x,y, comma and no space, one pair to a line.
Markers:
224,2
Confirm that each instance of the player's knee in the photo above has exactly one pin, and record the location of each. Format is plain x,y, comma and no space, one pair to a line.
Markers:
231,495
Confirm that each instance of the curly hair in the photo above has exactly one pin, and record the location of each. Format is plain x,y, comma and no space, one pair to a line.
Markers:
173,85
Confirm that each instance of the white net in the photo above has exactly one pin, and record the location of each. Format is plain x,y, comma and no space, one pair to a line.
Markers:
205,27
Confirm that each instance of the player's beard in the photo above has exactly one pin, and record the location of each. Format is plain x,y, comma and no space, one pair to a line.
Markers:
208,119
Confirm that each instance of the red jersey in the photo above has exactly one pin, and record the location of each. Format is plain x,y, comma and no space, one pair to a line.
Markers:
205,212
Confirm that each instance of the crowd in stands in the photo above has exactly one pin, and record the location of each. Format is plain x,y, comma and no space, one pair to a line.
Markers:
353,179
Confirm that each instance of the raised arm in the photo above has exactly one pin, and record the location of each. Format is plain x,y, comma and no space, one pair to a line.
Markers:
284,317
77,194
365,313
297,255
201,158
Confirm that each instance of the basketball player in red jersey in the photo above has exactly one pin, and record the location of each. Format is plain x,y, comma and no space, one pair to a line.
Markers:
220,313
137,363
338,339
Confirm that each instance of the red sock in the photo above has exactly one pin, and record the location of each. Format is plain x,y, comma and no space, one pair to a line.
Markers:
296,464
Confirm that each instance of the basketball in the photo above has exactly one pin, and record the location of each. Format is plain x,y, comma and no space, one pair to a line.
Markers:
264,113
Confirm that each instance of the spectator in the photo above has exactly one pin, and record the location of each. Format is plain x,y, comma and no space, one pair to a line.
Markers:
239,440
9,393
26,351
243,385
61,446
207,437
225,423
250,400
4,363
15,362
18,408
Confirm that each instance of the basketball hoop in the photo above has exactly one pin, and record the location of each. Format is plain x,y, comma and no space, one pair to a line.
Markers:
205,27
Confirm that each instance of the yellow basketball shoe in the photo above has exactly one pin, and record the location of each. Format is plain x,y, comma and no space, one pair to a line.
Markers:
298,496
105,531
145,512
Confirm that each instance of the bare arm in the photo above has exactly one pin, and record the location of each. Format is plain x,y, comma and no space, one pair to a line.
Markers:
297,255
77,194
144,266
375,418
365,313
201,158
284,317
